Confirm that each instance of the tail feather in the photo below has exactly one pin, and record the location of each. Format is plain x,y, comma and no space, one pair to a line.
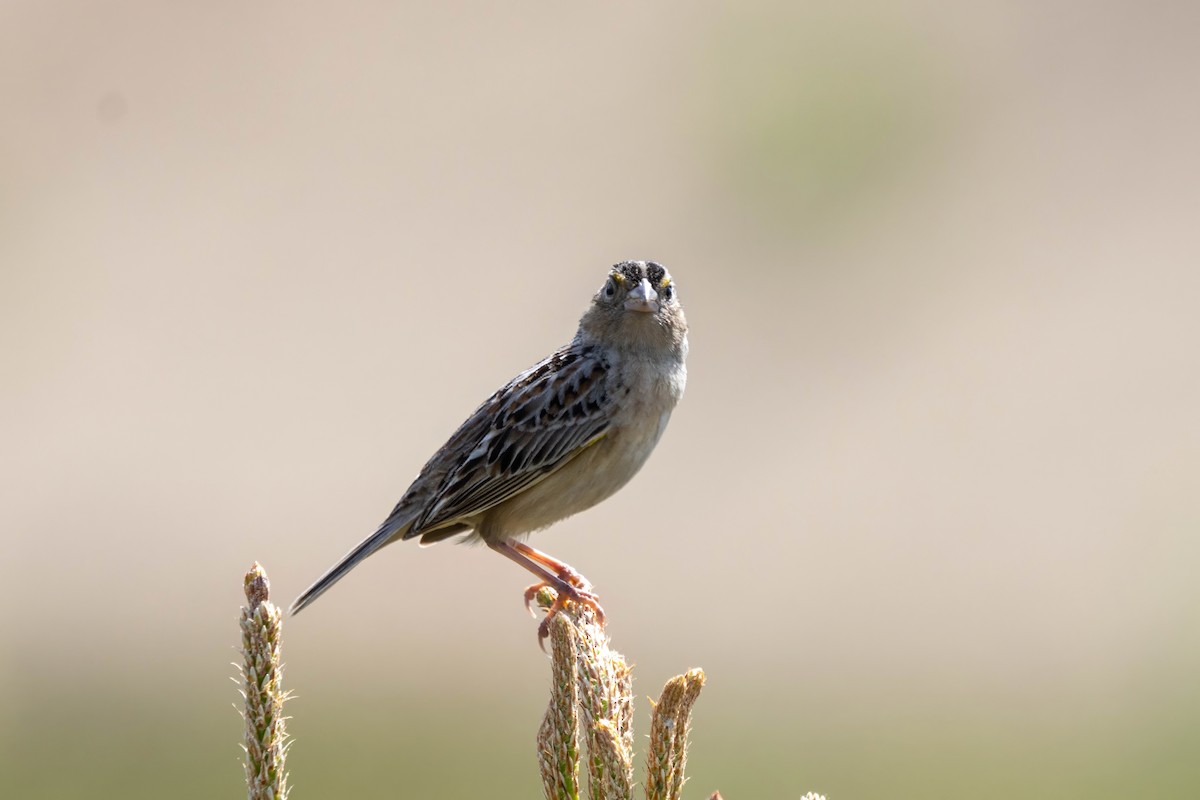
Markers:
388,532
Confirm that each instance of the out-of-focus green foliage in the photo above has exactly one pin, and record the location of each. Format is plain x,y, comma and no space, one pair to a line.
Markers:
109,739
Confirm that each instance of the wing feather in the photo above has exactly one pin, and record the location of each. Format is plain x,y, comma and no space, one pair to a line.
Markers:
523,433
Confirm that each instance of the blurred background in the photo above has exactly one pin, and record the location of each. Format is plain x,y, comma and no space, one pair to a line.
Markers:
927,515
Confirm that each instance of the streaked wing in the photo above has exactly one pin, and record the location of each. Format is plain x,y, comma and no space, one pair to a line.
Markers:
524,432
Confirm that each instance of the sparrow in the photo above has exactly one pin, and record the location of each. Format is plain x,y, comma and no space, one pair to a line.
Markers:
557,439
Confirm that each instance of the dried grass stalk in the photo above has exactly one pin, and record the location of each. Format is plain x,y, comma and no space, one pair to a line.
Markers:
266,742
558,737
591,701
669,726
606,702
602,696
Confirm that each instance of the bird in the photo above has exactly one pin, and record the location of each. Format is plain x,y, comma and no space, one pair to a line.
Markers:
557,439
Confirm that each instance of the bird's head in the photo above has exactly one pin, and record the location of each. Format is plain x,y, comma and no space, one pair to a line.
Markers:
638,305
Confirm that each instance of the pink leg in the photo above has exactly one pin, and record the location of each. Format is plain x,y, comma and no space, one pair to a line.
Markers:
568,584
551,563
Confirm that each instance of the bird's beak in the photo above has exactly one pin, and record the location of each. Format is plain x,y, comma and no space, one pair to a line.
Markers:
642,298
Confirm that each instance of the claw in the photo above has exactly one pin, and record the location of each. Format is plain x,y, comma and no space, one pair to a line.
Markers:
564,593
531,595
543,631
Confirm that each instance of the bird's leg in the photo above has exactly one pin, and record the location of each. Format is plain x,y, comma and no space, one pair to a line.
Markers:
551,563
563,572
562,580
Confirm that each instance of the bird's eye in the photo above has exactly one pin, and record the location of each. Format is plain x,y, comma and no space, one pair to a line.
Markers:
668,292
610,288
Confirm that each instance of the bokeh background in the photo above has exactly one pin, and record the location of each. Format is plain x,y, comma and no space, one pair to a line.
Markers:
927,515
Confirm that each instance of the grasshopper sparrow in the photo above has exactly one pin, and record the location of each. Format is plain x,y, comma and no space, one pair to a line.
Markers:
557,439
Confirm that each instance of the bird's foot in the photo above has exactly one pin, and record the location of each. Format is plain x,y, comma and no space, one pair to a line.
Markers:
567,582
531,592
572,577
564,592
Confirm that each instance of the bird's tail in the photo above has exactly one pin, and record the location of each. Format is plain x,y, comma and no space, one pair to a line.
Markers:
388,532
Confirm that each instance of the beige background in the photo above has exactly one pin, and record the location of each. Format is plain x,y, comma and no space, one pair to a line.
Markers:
927,515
